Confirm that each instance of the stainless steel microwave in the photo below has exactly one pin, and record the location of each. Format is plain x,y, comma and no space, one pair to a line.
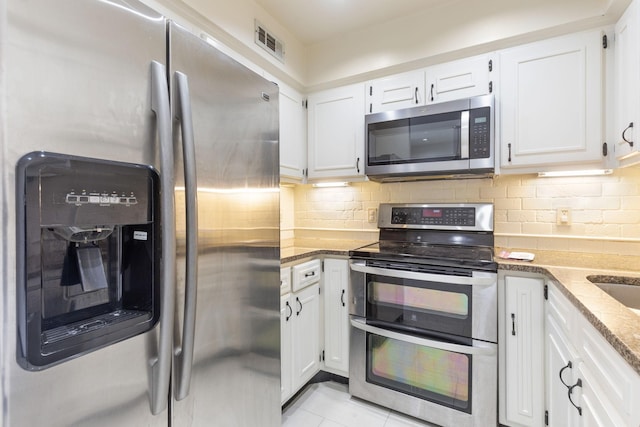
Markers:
452,139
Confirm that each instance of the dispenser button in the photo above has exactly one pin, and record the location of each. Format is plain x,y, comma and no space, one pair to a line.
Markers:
94,199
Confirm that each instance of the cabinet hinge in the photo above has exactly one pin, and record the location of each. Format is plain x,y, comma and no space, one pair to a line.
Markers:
370,108
321,358
546,292
305,103
605,149
322,265
370,90
490,65
546,418
490,87
605,42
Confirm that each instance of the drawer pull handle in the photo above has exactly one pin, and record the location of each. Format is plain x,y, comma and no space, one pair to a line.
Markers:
300,304
310,274
513,324
342,298
569,366
578,384
624,138
290,311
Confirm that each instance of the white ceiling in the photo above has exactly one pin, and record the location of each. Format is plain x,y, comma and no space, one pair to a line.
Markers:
312,21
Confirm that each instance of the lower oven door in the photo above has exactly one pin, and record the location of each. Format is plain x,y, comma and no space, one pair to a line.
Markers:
437,381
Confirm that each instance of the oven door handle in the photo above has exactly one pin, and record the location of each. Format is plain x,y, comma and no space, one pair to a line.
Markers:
479,278
457,348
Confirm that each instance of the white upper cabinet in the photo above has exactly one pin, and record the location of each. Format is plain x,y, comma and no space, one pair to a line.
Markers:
336,133
395,92
626,132
464,78
293,135
551,103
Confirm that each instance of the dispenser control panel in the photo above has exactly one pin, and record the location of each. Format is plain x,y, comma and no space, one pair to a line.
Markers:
102,199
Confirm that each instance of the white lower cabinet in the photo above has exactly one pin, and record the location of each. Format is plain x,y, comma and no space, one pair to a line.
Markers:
521,340
588,382
336,316
300,337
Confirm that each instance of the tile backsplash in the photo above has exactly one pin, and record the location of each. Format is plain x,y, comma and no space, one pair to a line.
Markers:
604,211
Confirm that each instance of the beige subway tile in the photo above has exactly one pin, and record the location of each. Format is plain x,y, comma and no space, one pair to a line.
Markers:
620,217
569,190
521,216
587,216
536,228
507,228
508,204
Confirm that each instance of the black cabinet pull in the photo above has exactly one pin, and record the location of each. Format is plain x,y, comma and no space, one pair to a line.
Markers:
416,95
431,96
310,274
358,164
509,146
578,384
568,366
342,298
290,311
300,304
624,138
513,324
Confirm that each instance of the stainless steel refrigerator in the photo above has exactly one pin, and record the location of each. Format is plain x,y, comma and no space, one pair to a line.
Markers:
140,246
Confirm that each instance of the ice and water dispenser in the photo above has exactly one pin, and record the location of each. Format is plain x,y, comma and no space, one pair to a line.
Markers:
88,255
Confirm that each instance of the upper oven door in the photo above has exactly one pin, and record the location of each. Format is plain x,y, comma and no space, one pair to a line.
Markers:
425,299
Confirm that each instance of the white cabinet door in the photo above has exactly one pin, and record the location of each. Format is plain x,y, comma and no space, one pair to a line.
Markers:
627,86
522,390
593,404
306,331
286,350
336,133
395,92
293,135
336,316
561,363
460,79
551,104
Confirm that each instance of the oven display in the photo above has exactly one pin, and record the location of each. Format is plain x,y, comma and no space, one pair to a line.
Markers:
449,216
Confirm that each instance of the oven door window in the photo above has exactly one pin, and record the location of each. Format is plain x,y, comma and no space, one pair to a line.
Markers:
420,139
428,373
419,305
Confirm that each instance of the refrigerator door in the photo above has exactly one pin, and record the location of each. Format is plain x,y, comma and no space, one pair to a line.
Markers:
78,82
235,375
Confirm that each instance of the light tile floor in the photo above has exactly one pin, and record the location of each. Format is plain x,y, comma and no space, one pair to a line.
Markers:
328,404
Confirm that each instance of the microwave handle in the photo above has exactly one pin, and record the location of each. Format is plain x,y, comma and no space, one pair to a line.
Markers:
478,278
464,134
441,345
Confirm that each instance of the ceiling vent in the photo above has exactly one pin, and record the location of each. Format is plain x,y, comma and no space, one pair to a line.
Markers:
269,42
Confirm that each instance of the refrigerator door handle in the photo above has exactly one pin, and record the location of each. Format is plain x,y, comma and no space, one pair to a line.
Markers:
161,365
184,354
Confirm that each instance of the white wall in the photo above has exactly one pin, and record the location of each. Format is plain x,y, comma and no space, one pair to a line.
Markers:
453,29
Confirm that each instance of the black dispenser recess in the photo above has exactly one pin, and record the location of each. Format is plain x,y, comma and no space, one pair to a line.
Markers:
88,255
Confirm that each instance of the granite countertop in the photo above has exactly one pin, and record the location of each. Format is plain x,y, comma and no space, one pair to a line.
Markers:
619,325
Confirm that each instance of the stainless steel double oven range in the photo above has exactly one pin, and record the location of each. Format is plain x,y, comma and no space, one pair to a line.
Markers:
424,314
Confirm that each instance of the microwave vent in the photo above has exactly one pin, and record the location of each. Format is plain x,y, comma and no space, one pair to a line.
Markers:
266,40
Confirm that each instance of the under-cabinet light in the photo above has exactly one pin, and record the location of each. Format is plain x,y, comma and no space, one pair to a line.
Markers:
330,184
591,172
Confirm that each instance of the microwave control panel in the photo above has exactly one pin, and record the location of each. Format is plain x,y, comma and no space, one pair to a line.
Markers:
480,133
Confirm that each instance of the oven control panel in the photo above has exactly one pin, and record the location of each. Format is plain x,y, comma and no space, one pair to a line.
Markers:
468,216
434,216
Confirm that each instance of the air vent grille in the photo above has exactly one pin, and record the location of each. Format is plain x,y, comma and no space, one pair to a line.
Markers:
269,42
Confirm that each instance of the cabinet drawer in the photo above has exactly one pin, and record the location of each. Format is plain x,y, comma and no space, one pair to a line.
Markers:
306,274
285,280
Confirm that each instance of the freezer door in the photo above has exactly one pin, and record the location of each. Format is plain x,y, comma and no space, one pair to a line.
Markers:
77,81
235,376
